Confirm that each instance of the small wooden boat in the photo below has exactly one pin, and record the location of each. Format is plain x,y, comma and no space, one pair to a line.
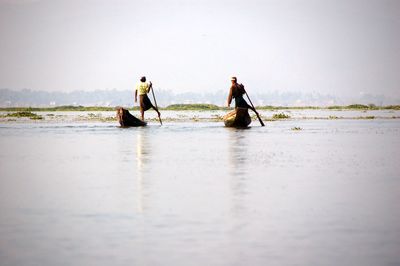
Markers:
238,118
126,119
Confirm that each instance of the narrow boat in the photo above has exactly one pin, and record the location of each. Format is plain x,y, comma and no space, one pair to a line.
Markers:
238,118
126,119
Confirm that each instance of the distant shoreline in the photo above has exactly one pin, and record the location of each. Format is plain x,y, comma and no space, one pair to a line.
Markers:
197,113
198,107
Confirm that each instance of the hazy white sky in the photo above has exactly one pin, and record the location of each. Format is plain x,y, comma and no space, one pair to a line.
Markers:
337,47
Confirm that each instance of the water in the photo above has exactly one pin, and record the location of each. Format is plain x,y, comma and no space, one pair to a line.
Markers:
200,194
205,115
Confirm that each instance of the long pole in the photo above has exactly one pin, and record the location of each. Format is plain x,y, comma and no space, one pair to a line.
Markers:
258,116
155,102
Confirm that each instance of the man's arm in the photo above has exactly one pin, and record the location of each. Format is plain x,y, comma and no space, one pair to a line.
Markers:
136,96
230,97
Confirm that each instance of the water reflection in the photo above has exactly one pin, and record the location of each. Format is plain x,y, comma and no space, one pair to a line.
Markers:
238,161
237,153
143,150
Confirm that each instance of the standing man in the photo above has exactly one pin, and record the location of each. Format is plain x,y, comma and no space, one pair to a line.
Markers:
143,88
236,92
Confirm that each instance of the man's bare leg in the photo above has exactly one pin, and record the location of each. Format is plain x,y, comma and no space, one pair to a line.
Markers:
142,113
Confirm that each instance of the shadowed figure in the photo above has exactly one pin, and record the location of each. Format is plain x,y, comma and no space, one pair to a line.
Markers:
236,92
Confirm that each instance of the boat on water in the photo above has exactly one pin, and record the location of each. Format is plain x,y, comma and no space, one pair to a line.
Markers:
126,119
238,118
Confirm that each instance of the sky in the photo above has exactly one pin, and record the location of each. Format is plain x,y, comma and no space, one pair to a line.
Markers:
331,47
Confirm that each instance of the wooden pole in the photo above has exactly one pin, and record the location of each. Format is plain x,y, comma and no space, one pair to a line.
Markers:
155,102
258,116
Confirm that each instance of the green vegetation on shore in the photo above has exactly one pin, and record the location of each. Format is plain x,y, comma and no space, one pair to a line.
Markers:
334,107
178,107
58,108
197,107
28,114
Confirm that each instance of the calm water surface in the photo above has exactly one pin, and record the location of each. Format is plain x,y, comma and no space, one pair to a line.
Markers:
200,194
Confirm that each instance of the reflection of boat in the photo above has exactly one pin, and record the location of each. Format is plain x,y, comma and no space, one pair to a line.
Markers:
125,119
237,118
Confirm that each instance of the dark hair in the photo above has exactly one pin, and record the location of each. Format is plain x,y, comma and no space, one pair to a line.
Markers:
143,79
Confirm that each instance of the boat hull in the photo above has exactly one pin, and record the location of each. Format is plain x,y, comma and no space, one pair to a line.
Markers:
238,118
126,119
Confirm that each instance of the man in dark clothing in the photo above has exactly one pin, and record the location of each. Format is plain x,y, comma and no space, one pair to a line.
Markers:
236,92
